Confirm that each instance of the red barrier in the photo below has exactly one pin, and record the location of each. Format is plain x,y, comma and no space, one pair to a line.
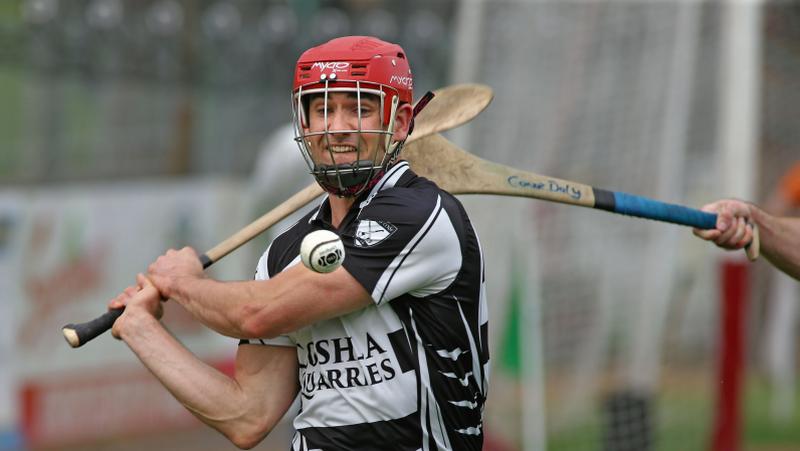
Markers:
78,409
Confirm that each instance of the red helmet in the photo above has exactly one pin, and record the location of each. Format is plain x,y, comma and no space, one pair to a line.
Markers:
353,63
350,59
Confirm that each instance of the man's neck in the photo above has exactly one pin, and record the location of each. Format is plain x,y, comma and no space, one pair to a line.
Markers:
339,208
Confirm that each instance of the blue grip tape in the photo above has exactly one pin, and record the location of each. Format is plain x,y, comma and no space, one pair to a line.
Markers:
642,207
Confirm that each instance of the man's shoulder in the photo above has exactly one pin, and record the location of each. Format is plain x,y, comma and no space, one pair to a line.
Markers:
414,195
417,197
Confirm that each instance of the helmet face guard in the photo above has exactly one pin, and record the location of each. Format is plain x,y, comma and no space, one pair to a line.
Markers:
364,67
352,178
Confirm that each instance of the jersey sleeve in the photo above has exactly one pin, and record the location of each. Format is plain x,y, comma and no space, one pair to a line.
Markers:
403,242
262,273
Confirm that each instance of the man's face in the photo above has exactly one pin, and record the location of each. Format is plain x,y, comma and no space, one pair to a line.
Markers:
342,144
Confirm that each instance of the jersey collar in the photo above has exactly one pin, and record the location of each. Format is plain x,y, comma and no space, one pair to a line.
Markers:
322,216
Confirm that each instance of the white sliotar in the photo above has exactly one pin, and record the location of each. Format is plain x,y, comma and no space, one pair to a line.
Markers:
322,251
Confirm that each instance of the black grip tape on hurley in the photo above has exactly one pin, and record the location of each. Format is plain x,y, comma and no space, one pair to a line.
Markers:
79,334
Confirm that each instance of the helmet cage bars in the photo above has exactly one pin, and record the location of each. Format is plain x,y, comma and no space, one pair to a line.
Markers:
346,179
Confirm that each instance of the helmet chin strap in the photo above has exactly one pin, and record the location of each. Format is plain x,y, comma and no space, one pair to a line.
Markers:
347,175
348,180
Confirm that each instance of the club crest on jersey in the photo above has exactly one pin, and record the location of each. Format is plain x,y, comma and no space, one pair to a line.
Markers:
369,232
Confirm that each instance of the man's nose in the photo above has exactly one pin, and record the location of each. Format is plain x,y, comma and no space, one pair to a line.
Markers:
338,121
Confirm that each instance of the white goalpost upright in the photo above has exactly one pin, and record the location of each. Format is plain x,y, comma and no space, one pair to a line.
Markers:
738,135
467,55
740,86
532,411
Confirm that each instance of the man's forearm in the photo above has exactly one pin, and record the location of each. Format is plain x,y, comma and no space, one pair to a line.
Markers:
221,306
207,393
779,240
269,308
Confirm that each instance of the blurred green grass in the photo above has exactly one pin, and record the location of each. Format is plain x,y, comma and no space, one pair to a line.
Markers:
760,428
685,420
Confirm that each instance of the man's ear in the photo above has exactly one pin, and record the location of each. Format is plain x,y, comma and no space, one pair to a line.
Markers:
402,120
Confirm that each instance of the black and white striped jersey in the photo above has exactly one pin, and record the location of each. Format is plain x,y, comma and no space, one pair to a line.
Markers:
409,372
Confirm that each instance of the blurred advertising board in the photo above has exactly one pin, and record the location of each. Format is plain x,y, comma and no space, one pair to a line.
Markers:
64,252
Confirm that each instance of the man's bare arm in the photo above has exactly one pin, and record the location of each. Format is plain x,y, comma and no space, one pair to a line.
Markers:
780,240
245,408
779,236
294,298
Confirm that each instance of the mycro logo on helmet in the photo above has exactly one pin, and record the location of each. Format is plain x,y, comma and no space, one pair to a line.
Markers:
334,66
404,81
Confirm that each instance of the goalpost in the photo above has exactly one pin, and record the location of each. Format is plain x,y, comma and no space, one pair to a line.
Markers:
738,138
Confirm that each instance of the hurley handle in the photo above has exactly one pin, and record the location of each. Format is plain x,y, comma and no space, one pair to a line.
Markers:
79,334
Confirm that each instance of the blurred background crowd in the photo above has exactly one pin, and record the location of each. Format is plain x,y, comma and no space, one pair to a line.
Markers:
109,89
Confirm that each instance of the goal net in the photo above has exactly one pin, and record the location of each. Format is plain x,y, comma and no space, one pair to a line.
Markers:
611,339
